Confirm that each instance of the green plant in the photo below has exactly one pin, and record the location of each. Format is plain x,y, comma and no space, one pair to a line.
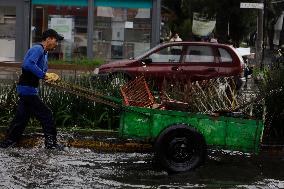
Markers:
271,89
70,110
62,116
8,100
79,61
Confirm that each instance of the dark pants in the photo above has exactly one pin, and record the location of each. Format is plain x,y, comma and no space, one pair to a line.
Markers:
31,105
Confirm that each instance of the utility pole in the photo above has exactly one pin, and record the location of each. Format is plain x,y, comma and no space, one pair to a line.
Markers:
259,31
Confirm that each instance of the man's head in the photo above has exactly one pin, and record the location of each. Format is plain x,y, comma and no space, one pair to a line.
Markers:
50,39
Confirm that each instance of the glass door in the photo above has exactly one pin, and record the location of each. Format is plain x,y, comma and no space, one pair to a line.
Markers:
7,33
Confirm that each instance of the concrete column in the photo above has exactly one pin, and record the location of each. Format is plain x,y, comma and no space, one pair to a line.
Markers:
91,7
27,26
22,25
156,22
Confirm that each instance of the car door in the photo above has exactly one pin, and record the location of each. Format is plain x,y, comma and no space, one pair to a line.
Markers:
164,63
199,62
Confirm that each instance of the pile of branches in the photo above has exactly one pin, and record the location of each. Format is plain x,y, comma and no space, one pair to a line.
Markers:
213,95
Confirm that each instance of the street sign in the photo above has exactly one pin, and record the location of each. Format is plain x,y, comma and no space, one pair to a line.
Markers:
251,5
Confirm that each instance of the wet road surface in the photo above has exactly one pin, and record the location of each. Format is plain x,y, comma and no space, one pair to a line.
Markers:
84,168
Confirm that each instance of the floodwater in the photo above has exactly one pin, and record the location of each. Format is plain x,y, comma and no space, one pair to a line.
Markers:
84,168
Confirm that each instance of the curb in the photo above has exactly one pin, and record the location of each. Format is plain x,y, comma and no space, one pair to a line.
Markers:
98,141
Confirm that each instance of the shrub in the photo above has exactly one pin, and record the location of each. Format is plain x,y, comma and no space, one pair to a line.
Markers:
69,110
271,89
79,61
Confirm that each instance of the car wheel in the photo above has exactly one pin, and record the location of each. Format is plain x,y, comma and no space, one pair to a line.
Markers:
180,148
117,80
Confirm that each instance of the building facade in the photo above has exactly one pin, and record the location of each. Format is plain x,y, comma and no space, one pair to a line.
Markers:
106,29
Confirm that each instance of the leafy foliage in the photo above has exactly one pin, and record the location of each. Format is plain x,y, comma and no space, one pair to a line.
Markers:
271,86
8,100
69,110
72,110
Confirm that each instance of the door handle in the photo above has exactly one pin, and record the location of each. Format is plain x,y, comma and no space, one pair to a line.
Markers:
175,68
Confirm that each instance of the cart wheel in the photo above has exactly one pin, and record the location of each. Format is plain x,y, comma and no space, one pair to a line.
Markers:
180,148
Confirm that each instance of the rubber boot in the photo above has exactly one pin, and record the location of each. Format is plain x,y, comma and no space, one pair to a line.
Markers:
7,144
51,143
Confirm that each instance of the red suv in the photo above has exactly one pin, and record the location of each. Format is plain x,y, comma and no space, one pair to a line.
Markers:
178,60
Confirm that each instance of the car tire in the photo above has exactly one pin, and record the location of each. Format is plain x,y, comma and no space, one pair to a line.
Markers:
180,148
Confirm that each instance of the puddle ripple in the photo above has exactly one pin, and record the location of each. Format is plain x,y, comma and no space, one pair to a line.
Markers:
83,168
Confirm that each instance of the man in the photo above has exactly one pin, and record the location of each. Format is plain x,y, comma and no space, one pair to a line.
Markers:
176,38
34,68
176,50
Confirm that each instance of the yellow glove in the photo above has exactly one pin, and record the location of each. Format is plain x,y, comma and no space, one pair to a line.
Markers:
51,77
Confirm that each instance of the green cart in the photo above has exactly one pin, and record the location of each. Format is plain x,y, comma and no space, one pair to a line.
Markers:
180,139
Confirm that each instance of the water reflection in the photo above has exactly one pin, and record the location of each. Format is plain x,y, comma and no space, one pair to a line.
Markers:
83,168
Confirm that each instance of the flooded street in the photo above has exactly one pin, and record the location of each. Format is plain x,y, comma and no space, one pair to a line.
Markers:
84,168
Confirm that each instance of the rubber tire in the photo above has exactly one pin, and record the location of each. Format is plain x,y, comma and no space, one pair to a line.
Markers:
184,139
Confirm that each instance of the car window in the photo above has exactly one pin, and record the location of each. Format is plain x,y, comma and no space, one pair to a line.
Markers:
225,55
167,55
199,54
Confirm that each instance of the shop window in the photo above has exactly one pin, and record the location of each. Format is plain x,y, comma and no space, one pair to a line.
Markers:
128,27
119,32
69,21
7,33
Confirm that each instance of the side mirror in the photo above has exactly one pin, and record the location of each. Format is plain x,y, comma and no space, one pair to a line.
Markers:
147,60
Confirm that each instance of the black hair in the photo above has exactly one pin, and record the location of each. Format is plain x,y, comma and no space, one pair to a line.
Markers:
51,33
